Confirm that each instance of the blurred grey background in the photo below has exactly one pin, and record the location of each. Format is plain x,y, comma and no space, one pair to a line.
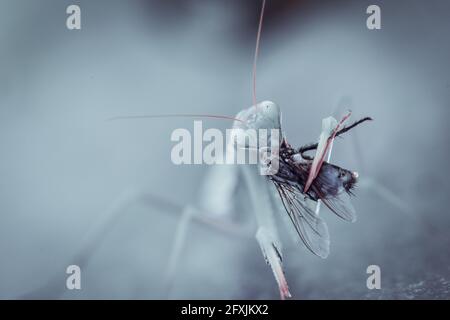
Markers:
63,165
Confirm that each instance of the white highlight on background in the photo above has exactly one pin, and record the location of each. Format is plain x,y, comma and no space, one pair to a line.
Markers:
249,146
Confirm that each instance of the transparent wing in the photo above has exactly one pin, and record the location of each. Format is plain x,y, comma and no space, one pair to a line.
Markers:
341,206
310,227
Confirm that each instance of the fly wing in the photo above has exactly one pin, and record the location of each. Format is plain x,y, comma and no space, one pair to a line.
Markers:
310,227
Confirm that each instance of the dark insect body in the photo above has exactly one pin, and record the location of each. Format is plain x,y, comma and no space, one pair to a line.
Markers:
333,186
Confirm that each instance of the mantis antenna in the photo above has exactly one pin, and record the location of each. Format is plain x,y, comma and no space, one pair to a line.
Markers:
255,59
